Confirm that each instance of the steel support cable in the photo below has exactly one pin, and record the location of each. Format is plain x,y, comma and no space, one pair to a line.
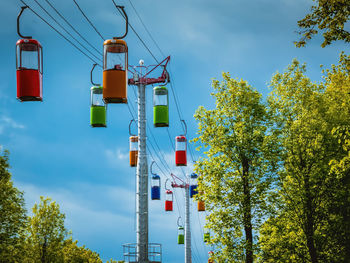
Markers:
138,36
177,104
150,35
171,86
172,89
66,30
91,24
72,27
166,166
159,153
171,141
175,97
201,231
195,242
176,198
58,32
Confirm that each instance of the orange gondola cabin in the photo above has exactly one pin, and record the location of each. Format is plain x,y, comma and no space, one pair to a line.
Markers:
134,150
115,71
29,70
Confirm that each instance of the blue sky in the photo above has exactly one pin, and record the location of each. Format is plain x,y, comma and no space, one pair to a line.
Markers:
54,151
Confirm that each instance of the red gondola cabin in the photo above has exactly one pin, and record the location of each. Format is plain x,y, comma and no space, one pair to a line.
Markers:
169,200
181,151
29,70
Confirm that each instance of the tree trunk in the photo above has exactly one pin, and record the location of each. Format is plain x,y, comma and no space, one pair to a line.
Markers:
346,216
247,216
309,221
43,255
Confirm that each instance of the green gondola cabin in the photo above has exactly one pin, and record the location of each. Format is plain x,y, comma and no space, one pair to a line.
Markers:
181,236
97,108
160,107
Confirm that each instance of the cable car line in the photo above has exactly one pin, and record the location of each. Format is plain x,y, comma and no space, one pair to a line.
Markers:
196,257
132,115
72,27
65,29
150,35
179,113
138,36
82,12
166,166
175,97
155,141
195,243
58,32
171,86
130,111
201,232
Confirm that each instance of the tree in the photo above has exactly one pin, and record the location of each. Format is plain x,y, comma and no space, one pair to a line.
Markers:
315,202
282,240
237,170
337,94
48,241
75,254
295,102
12,215
331,17
46,233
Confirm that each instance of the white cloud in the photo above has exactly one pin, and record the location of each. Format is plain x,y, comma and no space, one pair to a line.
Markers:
9,123
12,123
115,155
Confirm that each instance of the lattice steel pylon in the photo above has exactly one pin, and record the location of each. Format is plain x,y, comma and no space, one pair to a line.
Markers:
186,186
141,81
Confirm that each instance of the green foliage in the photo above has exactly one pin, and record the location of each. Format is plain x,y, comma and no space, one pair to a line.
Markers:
329,16
41,237
75,254
313,120
337,229
47,240
46,233
282,240
238,168
12,215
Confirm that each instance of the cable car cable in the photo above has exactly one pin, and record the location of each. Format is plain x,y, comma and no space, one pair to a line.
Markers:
174,100
72,27
150,35
160,159
165,166
171,86
201,231
82,12
65,29
58,32
138,36
155,141
175,97
195,243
